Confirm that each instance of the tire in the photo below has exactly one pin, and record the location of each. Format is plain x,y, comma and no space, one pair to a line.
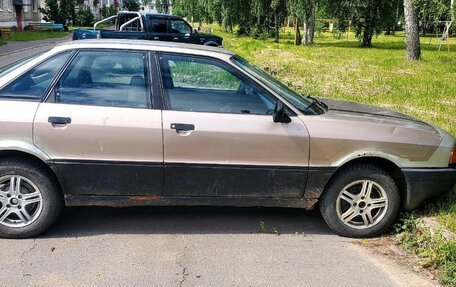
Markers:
341,200
38,193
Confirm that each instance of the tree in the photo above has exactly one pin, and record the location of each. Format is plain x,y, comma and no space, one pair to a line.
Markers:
59,11
279,9
310,36
367,16
412,31
132,5
162,6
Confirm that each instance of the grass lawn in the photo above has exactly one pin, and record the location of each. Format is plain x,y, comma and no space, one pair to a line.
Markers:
337,68
35,35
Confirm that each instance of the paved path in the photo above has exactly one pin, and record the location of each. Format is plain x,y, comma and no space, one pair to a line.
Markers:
182,246
14,50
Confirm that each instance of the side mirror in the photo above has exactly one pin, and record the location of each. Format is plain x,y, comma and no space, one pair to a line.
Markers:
195,31
279,115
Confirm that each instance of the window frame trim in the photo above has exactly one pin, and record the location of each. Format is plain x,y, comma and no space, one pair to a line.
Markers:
238,73
51,98
46,91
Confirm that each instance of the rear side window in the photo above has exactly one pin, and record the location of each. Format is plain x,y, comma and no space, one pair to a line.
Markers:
34,83
105,78
157,25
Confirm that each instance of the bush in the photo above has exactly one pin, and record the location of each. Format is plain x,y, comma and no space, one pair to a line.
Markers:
84,18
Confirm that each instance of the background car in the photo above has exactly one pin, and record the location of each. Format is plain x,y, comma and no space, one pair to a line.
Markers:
149,26
105,122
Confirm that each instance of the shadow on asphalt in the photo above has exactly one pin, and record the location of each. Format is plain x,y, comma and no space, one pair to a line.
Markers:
91,221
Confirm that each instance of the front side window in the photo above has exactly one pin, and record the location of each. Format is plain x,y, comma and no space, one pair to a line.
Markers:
205,85
105,78
34,83
298,101
180,27
157,25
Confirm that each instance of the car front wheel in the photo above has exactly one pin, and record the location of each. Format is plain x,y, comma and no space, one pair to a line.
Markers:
361,201
29,198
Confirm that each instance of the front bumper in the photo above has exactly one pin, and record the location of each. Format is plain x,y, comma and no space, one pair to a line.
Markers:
424,183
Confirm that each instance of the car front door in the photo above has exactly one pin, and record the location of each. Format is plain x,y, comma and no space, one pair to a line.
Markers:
220,138
99,128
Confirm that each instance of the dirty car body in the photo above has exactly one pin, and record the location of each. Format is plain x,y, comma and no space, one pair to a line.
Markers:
140,123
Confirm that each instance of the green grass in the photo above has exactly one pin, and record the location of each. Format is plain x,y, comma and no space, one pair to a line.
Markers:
337,68
430,246
35,35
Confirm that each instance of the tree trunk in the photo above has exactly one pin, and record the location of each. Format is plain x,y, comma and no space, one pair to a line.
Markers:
277,28
310,37
367,37
412,32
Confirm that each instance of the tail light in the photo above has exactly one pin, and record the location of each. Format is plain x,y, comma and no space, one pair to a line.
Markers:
453,156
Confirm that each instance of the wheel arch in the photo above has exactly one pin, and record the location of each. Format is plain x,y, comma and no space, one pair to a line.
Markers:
211,43
386,165
45,164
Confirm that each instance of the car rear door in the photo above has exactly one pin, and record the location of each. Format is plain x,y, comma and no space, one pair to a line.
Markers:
157,28
220,138
99,128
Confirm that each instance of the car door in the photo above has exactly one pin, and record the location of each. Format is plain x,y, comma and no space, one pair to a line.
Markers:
99,128
158,28
219,135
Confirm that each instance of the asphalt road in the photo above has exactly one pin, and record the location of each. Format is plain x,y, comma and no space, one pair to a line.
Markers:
182,246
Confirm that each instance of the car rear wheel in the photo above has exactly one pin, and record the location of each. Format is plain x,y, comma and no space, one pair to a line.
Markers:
30,200
361,201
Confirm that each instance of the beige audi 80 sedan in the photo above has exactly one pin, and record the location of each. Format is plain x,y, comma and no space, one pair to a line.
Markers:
115,123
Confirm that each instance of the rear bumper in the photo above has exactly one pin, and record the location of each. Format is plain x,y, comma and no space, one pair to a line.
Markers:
425,183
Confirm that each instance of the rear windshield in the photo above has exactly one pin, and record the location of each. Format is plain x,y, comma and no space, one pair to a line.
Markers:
11,67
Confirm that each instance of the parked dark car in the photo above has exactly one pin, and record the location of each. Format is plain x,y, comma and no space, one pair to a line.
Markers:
148,26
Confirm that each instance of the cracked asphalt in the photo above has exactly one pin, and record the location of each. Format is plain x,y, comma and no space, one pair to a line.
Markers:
193,246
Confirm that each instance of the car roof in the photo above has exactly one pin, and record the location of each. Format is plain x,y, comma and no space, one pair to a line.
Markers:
142,44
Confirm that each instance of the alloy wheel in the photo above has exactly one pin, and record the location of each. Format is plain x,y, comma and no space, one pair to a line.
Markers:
362,204
21,202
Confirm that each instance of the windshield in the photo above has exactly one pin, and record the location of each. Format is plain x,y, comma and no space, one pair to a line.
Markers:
11,67
305,105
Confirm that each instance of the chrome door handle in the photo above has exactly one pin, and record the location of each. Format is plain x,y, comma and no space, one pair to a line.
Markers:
176,39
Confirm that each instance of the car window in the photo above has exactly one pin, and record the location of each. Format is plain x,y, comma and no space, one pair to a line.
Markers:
34,83
157,25
105,78
204,85
180,27
134,26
